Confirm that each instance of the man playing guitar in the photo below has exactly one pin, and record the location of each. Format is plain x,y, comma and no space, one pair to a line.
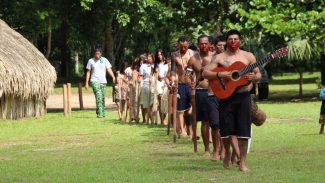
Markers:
235,119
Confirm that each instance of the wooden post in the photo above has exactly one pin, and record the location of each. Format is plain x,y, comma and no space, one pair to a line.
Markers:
81,103
138,102
156,111
149,112
69,98
175,113
65,100
170,111
194,126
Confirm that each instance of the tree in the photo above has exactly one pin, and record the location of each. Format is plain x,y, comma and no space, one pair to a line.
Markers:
297,24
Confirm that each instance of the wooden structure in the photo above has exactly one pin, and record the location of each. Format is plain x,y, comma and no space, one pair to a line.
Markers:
26,76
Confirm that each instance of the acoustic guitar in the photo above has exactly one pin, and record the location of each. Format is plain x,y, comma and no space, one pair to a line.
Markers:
224,88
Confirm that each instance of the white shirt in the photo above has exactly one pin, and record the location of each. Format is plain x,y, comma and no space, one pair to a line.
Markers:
145,71
98,69
163,69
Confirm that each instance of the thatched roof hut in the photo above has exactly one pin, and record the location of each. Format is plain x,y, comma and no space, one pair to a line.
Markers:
26,76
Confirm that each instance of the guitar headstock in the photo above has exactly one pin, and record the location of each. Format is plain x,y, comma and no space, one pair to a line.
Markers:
280,53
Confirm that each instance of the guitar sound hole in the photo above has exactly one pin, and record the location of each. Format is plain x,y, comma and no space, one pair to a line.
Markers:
235,75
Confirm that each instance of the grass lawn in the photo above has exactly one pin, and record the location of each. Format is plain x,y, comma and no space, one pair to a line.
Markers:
82,148
286,86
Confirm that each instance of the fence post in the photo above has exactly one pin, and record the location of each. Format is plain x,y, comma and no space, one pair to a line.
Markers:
65,100
69,98
81,103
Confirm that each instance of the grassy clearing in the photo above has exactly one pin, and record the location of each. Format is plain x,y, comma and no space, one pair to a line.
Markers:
286,86
83,148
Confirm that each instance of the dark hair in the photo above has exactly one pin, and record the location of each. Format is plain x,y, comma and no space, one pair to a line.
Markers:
193,47
233,32
157,60
135,64
98,49
211,39
182,38
168,55
156,55
220,39
202,36
123,67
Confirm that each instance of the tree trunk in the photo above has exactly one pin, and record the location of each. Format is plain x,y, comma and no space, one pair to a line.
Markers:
301,82
218,27
49,38
64,48
76,59
322,68
109,43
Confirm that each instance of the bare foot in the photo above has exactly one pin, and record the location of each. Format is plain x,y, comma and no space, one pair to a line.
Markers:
197,138
206,154
222,157
183,134
243,168
233,160
226,160
215,156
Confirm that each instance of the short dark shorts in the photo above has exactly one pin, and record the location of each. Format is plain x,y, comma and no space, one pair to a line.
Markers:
212,103
322,108
201,105
235,116
184,100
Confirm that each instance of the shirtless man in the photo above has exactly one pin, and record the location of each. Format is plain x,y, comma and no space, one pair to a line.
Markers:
184,63
212,49
220,44
201,93
235,110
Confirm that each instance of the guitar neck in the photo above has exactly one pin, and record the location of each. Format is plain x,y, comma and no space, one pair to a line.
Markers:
249,68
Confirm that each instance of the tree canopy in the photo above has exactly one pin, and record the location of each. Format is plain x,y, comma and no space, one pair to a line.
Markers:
68,31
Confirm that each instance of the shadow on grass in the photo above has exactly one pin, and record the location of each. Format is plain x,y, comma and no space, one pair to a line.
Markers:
158,134
110,108
311,134
288,97
293,81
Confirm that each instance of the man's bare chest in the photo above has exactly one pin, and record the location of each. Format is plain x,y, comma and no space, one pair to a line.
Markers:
228,61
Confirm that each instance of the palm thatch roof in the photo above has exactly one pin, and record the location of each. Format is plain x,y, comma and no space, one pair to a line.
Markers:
24,70
26,76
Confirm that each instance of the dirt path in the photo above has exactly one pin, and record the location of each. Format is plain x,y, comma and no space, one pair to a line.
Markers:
55,102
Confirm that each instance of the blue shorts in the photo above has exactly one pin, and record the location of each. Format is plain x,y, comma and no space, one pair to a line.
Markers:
201,105
184,97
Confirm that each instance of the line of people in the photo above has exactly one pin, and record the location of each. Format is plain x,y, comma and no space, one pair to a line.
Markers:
152,79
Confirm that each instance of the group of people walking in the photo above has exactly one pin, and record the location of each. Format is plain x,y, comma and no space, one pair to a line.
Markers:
176,87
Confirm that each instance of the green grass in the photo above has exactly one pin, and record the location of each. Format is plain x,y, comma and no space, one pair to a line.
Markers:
82,148
286,86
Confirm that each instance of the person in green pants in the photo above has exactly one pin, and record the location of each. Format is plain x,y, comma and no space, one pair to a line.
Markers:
96,72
